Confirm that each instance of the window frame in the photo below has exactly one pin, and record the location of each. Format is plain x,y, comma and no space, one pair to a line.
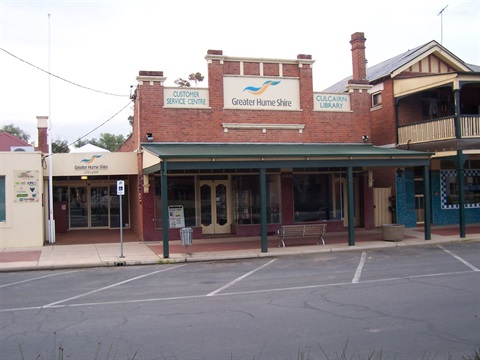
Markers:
375,96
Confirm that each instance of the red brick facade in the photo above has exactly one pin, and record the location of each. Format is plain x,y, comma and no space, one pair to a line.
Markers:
200,125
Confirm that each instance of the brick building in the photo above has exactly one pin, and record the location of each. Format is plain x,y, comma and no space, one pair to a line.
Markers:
427,99
256,149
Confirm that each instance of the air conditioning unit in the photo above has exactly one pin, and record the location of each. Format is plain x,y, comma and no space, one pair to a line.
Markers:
22,148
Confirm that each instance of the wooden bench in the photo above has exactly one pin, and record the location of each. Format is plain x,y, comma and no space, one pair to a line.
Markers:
302,231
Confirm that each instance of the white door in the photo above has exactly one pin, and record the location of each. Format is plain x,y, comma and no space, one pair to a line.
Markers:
215,206
381,205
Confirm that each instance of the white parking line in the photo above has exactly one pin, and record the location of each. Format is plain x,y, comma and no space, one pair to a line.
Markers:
239,279
356,278
459,258
109,287
187,297
38,278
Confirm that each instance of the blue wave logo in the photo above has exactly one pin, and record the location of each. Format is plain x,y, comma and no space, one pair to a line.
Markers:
89,161
260,90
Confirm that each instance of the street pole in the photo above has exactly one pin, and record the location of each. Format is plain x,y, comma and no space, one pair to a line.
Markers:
121,228
120,192
51,223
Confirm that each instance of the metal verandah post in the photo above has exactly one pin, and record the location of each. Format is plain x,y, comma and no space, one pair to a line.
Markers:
263,209
461,191
427,202
165,218
460,164
350,212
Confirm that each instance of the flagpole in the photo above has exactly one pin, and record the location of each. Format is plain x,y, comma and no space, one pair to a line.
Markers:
51,223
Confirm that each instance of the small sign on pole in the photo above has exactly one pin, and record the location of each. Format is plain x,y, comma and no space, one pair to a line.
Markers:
120,192
120,187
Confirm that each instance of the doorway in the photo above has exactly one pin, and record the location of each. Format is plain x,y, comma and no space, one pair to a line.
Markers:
214,206
94,206
340,200
419,200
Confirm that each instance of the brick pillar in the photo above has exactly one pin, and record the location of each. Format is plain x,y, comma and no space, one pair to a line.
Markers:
358,58
215,61
42,130
305,63
149,97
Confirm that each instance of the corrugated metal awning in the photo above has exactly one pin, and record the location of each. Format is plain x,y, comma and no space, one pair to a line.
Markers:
255,155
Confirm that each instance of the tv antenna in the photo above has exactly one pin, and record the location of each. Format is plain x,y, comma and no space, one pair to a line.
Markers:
441,23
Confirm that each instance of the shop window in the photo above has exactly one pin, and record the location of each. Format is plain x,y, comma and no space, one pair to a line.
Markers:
312,197
60,193
450,193
376,99
2,199
114,205
181,191
246,199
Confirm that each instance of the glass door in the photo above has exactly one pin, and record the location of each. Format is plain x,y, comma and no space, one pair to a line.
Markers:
78,207
214,207
90,207
99,204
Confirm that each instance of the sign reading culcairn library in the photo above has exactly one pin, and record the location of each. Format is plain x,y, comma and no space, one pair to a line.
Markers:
331,102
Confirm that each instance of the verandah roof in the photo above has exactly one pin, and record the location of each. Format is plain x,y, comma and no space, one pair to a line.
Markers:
255,155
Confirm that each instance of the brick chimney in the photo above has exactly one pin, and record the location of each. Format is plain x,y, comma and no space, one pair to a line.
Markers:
42,129
358,59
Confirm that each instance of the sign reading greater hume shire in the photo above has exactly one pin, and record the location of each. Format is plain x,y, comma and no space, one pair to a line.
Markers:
186,98
261,93
331,102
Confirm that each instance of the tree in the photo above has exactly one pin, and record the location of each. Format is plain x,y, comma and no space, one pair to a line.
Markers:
182,82
60,146
106,141
195,77
16,131
110,142
80,143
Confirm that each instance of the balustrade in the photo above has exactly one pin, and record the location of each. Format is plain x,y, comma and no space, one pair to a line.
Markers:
439,129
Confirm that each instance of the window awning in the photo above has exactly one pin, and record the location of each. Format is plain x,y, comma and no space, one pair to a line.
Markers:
197,156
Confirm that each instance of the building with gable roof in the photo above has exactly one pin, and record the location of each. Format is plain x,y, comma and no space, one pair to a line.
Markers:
8,142
427,99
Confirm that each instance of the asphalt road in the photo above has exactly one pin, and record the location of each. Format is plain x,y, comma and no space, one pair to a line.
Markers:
399,303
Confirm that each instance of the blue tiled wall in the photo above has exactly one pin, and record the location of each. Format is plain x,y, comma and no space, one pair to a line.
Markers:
448,216
406,214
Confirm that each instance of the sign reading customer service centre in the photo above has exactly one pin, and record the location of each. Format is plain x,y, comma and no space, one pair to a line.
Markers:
261,93
186,98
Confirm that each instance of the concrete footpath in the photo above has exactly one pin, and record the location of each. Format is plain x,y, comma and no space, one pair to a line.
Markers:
54,256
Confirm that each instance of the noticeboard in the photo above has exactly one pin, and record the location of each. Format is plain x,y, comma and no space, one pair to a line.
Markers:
176,216
27,186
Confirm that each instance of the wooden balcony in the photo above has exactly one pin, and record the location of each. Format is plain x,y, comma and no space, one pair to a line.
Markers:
439,130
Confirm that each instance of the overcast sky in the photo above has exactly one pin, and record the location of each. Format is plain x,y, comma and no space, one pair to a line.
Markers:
100,46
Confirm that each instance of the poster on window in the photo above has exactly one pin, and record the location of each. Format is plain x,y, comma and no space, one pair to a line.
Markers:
27,187
176,216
